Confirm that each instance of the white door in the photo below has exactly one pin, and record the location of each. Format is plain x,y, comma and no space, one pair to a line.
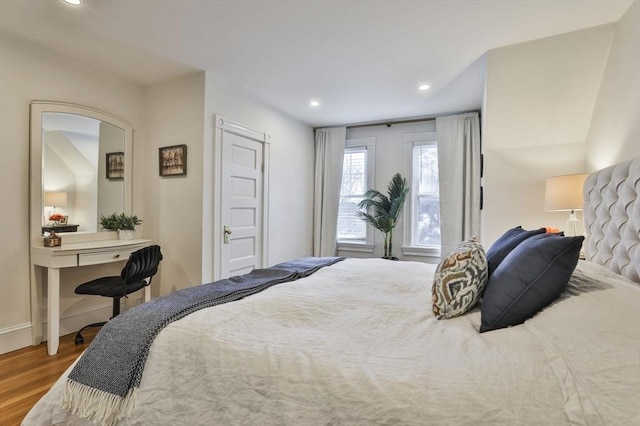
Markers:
235,193
241,205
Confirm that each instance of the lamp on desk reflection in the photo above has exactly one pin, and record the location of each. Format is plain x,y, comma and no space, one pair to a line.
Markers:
54,199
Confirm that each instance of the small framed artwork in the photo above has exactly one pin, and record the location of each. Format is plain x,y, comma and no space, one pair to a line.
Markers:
115,165
173,160
63,220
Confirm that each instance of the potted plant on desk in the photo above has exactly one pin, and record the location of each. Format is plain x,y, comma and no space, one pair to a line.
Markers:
123,223
127,226
109,223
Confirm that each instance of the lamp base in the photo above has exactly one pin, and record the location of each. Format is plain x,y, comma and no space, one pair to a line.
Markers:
572,223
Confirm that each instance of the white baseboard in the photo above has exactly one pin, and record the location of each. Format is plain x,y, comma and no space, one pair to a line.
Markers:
19,336
15,337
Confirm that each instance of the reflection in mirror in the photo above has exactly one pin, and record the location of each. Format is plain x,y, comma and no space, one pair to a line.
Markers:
74,152
72,148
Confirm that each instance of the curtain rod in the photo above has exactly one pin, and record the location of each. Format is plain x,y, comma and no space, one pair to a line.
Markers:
390,123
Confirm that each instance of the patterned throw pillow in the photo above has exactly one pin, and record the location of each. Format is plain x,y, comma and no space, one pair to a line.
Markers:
459,280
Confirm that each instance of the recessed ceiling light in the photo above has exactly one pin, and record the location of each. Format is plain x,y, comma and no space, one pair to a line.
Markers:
424,87
73,2
314,104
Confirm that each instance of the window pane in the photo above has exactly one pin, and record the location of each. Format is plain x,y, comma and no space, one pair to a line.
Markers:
350,226
428,218
426,196
353,187
425,166
354,172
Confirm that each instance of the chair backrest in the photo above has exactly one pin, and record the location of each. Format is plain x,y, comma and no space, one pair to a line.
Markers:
142,264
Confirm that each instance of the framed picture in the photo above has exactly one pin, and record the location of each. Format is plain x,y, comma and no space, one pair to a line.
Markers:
115,165
173,160
64,220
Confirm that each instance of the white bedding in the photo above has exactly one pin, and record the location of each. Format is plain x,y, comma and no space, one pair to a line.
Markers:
357,344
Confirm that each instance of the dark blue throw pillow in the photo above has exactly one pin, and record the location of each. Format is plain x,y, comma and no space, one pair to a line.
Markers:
506,243
532,276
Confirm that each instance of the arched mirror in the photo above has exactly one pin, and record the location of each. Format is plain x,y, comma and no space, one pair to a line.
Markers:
80,168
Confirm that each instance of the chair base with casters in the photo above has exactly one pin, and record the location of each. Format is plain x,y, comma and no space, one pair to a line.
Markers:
136,274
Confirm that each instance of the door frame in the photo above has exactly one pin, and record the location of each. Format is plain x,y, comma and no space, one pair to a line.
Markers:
212,191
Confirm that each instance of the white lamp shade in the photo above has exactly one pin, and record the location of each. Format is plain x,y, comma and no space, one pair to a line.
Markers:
55,199
564,193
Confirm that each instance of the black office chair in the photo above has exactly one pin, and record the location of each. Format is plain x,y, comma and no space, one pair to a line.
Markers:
142,264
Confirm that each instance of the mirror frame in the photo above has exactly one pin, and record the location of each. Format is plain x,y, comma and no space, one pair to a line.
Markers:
37,109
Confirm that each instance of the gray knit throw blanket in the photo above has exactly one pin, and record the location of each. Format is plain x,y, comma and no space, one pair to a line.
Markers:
102,386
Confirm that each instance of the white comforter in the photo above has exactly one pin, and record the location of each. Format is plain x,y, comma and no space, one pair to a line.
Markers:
356,344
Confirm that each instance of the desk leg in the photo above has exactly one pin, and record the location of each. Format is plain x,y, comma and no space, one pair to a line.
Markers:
147,293
37,284
53,310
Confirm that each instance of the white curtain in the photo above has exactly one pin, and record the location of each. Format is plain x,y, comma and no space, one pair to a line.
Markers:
328,177
459,170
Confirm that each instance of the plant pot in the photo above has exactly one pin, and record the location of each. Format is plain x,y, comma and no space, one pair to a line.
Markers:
126,234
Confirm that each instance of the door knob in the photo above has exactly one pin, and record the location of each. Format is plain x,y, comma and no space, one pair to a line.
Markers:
227,232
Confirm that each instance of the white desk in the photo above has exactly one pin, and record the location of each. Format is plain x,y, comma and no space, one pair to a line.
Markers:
70,256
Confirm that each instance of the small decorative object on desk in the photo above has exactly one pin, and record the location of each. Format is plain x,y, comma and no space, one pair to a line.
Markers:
52,240
55,218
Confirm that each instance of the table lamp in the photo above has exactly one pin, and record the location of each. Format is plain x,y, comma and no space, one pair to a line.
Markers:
564,193
55,199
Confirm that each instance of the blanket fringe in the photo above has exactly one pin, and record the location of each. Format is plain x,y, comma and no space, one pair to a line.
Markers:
97,405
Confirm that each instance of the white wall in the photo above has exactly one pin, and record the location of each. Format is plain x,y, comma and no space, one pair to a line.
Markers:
539,102
173,205
291,179
28,72
614,134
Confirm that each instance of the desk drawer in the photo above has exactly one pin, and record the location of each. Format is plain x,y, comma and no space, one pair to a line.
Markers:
104,257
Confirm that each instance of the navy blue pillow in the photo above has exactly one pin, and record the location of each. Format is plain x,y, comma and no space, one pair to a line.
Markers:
506,243
532,276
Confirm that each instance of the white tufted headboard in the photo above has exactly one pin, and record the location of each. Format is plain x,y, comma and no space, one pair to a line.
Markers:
612,218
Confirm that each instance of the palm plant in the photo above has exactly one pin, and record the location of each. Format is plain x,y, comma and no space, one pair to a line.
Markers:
382,211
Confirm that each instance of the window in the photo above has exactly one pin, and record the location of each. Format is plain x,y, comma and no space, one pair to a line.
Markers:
426,208
422,235
357,177
354,185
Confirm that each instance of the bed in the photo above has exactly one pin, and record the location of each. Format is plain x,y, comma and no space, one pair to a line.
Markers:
357,342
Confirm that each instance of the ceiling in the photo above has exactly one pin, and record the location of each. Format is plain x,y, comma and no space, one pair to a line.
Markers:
361,59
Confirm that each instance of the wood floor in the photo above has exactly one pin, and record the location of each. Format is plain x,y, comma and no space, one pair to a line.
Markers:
28,373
